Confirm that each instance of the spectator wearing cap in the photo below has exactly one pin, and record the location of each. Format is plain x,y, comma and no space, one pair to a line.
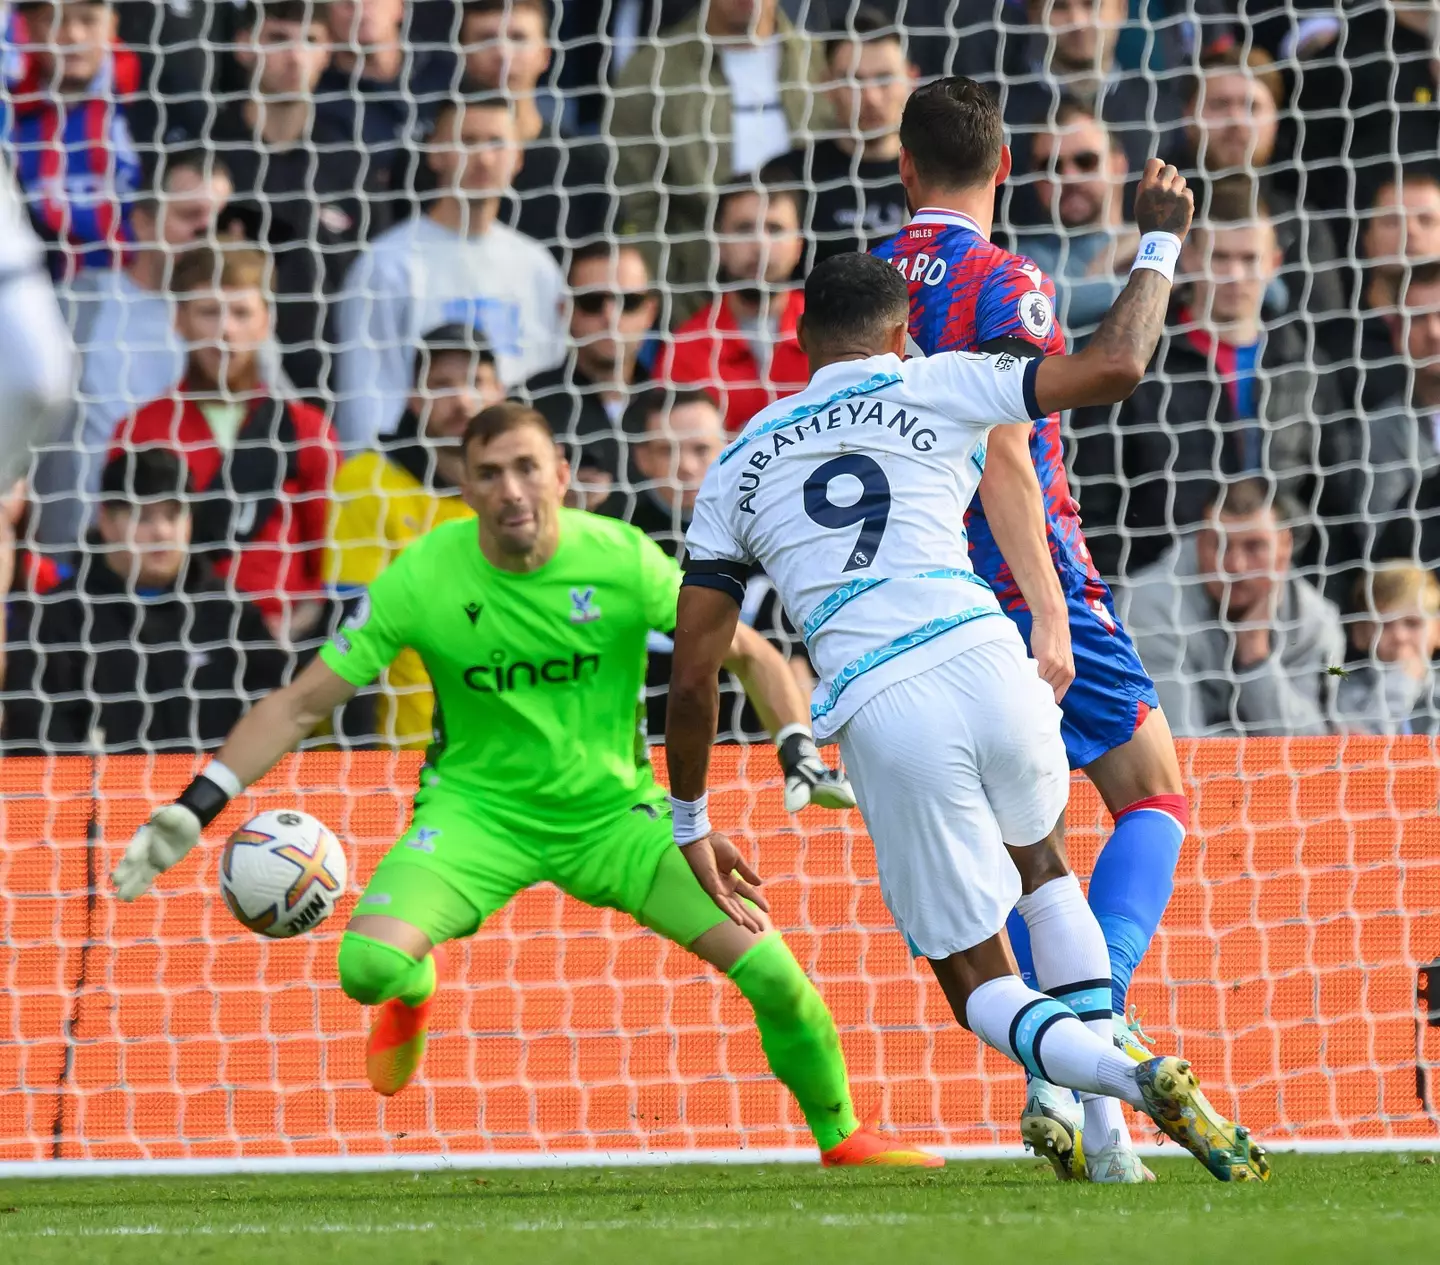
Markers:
303,184
124,329
742,346
142,643
716,97
382,500
1232,395
63,124
851,179
381,85
674,437
261,464
1080,184
1070,52
1236,641
612,311
1389,684
1232,122
563,193
455,264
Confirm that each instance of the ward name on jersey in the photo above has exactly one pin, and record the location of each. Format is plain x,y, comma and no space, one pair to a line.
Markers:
861,480
968,294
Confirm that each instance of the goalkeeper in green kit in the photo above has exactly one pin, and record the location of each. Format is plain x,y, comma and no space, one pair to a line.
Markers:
533,630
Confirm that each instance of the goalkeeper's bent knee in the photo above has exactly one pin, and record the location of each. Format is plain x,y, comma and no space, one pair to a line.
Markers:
372,971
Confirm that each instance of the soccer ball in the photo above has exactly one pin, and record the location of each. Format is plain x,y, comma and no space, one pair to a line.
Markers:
282,873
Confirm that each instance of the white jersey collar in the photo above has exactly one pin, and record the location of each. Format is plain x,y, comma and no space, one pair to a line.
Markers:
940,215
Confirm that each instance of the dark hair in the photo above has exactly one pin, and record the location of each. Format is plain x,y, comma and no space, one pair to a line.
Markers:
453,339
1413,173
477,7
866,25
606,249
1254,63
1424,273
500,419
636,420
777,180
146,474
1243,498
853,300
953,132
307,11
161,168
471,94
1235,199
1068,110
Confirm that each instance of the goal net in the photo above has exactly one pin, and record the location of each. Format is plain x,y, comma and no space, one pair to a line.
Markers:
1294,964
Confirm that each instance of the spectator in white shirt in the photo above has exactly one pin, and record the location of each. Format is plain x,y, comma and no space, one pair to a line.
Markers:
455,264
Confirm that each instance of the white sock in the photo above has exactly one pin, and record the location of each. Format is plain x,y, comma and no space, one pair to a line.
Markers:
1072,964
1049,1040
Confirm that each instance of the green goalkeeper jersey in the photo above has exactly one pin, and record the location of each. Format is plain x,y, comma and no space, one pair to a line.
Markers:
537,676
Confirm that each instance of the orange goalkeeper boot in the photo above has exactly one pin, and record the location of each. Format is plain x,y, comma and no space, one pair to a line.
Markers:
867,1146
396,1045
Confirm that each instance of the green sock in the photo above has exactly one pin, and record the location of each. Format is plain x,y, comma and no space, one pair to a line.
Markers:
798,1037
372,972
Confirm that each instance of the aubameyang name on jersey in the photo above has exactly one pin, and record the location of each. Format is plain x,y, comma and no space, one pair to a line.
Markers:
860,412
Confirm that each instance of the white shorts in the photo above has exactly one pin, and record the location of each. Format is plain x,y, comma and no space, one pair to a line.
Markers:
948,767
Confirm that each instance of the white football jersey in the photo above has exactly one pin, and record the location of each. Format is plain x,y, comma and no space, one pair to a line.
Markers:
852,496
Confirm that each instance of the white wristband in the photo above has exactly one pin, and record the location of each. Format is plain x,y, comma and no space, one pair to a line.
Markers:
691,818
790,730
224,778
1159,252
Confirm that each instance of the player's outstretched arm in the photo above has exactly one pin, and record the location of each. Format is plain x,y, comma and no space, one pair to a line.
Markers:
270,729
1114,362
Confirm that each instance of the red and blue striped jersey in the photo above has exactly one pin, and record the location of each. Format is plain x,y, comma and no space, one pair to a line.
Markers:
965,293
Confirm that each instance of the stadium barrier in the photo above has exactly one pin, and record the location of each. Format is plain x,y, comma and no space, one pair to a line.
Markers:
1307,899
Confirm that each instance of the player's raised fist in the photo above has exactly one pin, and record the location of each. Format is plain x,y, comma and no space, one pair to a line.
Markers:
1162,203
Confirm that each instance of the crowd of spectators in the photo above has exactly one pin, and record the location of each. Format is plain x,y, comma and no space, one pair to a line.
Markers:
300,243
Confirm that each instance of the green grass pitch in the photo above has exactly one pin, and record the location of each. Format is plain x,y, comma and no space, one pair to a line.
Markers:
1374,1209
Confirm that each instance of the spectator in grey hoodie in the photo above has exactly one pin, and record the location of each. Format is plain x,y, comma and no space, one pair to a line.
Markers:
1390,685
1236,643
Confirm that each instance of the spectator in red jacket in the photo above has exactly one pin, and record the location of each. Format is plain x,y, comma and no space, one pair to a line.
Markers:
742,348
261,464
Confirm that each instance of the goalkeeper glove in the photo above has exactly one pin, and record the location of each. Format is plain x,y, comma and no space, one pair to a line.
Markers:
808,780
159,844
164,840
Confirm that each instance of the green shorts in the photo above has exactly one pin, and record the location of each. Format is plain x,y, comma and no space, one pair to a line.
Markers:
455,867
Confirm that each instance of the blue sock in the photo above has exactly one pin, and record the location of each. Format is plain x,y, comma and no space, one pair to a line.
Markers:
1020,942
1134,876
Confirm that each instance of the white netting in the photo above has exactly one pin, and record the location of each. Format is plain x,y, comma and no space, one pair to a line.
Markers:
1303,353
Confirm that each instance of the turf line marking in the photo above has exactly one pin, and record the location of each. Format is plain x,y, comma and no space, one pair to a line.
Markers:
552,1226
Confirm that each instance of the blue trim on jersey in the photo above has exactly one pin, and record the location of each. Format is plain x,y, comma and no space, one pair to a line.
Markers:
873,383
1032,405
846,592
872,659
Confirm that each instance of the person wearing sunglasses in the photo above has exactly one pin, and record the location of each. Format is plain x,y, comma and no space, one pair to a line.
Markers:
612,309
1085,244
